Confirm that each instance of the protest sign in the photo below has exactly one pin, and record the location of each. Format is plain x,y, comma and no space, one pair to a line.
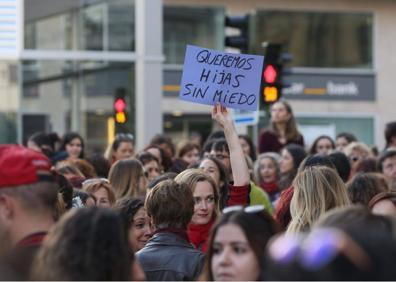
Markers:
211,77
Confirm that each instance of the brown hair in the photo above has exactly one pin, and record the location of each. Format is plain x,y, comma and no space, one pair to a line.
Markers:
84,166
124,177
186,147
363,187
291,125
192,176
94,185
66,167
170,204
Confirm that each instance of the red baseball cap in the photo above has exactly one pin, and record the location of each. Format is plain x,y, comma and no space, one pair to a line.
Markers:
20,165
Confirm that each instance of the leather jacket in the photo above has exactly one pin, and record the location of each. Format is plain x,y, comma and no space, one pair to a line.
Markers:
168,256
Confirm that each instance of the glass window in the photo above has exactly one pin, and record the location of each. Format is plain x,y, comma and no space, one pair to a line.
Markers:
80,25
197,26
57,94
9,101
318,39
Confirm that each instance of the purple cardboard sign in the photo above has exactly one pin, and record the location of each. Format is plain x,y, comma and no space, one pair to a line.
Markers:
211,76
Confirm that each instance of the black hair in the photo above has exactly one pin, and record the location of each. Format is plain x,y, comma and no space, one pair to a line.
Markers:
348,136
44,142
120,138
68,137
313,149
100,164
258,227
252,155
385,155
219,134
162,177
297,152
146,157
220,145
342,165
87,244
127,208
390,131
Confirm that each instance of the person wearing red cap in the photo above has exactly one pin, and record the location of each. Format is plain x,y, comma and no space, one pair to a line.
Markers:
28,197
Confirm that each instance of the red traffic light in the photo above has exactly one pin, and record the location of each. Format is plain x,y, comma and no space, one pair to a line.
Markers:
119,105
270,74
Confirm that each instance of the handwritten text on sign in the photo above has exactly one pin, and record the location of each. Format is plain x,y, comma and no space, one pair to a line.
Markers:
211,77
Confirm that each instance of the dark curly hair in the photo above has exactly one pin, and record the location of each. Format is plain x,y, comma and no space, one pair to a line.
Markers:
86,244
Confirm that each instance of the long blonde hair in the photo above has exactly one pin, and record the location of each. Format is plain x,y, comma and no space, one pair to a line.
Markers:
317,189
191,177
124,177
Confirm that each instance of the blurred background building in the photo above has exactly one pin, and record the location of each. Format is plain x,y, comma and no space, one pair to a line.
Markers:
65,60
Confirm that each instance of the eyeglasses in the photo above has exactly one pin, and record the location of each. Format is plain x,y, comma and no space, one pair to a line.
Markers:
220,156
95,180
127,136
248,209
354,158
318,249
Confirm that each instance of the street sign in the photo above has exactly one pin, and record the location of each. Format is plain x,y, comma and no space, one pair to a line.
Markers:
243,117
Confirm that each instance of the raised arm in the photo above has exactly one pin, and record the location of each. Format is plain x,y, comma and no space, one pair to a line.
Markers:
240,171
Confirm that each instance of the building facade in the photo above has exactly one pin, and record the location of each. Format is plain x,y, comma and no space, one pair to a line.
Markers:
77,54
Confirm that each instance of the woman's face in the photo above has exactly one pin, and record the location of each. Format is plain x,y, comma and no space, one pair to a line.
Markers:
324,146
74,148
124,151
204,203
210,168
142,186
156,153
355,158
102,198
233,258
341,143
140,231
245,146
153,170
286,162
268,170
279,113
191,157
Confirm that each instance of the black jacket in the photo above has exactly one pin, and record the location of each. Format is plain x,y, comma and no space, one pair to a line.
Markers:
168,256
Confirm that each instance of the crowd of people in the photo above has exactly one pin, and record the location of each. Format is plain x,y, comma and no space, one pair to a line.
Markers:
221,210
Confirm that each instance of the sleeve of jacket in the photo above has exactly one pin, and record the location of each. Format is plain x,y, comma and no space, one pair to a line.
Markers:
238,195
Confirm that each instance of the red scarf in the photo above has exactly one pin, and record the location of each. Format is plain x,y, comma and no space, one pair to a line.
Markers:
282,209
32,240
198,234
270,188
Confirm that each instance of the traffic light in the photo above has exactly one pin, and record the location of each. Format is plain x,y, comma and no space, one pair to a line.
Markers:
120,106
240,41
272,74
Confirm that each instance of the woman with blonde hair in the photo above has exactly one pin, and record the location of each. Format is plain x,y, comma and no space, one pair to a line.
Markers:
128,179
317,189
100,188
206,205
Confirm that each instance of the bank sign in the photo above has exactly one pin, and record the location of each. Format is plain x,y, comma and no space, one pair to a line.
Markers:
331,86
312,85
